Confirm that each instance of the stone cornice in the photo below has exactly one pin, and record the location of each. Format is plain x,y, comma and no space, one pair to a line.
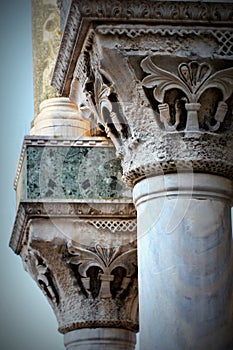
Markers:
82,14
102,210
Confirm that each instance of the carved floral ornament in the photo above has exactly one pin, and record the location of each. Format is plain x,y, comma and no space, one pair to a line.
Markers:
193,80
40,271
101,106
102,272
200,101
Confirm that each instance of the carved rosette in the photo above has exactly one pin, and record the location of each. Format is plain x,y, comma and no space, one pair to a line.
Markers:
91,281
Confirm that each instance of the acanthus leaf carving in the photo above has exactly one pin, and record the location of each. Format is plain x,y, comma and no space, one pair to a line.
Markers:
101,107
223,80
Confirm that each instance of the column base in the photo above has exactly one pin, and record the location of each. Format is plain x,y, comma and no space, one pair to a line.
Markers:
100,339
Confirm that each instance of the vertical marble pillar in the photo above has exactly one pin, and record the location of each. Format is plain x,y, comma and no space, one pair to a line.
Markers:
185,262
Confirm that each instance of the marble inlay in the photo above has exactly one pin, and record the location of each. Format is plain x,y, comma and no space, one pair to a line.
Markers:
71,172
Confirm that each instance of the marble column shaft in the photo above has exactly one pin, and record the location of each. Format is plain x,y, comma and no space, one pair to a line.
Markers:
185,262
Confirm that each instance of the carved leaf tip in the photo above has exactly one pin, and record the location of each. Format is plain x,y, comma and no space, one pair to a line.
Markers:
160,79
222,80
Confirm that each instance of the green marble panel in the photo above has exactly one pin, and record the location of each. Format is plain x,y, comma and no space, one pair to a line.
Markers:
71,172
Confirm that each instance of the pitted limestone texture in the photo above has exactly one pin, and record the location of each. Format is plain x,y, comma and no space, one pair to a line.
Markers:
174,152
71,172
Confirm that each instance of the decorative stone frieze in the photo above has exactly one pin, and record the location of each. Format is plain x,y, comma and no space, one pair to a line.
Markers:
190,13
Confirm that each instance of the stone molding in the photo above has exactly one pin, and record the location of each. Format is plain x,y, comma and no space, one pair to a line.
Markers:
222,36
183,185
119,212
82,13
95,339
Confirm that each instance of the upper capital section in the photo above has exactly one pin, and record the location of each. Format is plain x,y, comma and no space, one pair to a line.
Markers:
78,16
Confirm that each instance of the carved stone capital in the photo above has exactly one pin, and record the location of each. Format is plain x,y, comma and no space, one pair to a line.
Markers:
76,17
87,268
163,95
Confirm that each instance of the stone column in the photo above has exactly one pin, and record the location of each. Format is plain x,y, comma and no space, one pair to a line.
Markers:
162,92
75,226
185,261
75,230
46,37
59,117
100,338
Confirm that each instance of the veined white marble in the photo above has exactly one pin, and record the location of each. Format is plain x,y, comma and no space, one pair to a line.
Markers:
185,262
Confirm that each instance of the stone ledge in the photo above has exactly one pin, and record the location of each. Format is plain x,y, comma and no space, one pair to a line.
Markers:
115,209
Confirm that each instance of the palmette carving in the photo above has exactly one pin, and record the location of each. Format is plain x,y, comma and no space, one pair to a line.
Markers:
193,80
102,272
87,285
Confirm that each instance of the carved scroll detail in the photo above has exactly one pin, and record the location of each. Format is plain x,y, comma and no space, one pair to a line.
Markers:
193,80
42,274
103,108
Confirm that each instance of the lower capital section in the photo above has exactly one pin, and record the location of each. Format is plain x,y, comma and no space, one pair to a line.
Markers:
100,339
87,269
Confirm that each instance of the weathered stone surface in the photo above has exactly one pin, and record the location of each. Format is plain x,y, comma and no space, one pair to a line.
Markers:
45,41
86,268
161,120
191,14
157,77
